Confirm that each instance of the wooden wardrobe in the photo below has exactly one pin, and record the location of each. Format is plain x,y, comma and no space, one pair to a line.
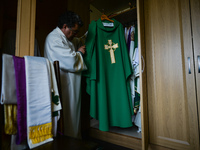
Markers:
169,39
172,33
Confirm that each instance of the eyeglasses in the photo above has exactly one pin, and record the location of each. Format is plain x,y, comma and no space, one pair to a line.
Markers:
74,31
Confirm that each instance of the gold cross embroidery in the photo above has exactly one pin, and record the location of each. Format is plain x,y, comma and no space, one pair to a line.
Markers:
111,48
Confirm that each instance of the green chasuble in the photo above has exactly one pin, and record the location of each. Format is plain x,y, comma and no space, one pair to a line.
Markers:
109,67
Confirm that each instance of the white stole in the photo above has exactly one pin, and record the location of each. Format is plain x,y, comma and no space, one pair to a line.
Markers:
38,89
54,89
8,86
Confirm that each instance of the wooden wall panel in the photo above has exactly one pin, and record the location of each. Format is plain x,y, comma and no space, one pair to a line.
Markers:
25,33
47,14
82,8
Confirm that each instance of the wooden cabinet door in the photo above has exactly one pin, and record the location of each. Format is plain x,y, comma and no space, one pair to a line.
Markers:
195,21
172,103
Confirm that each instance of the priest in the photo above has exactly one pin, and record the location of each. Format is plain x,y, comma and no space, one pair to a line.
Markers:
58,46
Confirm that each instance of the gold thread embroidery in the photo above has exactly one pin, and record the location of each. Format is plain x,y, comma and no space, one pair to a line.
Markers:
40,133
10,114
111,47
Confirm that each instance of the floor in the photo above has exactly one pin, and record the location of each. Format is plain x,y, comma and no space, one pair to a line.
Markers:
132,131
74,144
67,143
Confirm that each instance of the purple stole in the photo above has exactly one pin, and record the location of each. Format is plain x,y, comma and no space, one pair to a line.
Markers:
19,65
129,39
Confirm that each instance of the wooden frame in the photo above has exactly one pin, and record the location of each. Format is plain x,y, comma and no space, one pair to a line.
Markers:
25,32
143,78
117,139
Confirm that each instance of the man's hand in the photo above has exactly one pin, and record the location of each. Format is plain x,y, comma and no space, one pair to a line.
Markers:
82,49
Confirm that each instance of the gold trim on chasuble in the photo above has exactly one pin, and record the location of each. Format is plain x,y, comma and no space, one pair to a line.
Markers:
111,47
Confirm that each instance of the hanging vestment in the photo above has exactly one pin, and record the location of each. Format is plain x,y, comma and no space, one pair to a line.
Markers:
58,47
131,51
109,67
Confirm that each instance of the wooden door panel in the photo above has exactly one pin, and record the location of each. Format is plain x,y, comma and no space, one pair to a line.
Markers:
143,81
171,89
25,32
195,15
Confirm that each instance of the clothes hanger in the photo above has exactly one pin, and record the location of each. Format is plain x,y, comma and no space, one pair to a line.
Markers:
104,17
85,35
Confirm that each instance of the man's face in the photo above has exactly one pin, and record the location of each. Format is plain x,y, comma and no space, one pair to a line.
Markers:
70,33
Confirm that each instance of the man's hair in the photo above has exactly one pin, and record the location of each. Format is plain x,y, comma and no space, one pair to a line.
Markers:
70,19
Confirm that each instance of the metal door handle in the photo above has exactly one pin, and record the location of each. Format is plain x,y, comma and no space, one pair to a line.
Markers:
189,69
198,61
